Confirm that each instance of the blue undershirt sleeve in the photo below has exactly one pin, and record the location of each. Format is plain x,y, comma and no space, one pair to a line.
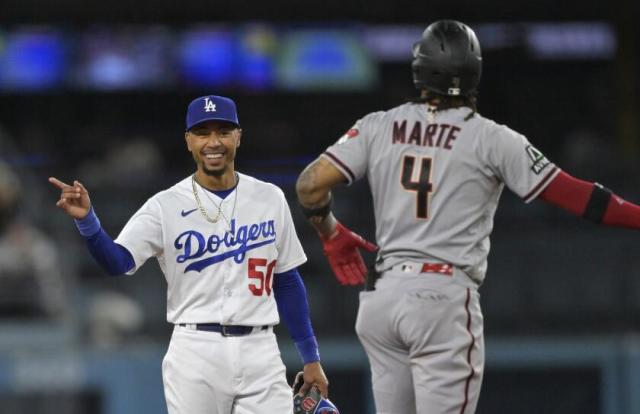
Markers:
291,298
113,258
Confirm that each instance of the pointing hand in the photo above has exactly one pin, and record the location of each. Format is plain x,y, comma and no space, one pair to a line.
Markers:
74,199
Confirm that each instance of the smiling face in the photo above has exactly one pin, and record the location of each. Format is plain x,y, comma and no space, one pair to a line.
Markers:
213,146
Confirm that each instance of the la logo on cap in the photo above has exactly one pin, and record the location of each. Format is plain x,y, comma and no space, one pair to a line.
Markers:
209,106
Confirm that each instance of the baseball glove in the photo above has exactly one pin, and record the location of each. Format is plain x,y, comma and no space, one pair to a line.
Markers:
310,402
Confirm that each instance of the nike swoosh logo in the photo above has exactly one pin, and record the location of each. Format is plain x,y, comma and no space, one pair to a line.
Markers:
186,213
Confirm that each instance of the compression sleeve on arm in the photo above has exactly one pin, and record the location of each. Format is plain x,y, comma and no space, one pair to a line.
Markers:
114,258
291,298
575,195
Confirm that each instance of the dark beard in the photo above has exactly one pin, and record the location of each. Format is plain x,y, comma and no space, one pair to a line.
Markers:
214,173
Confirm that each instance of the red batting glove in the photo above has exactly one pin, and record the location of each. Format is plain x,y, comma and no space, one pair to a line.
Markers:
341,249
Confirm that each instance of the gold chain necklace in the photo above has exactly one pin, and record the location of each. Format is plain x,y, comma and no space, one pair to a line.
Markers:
218,206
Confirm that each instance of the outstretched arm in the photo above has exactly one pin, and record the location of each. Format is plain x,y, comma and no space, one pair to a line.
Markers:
75,201
340,245
591,201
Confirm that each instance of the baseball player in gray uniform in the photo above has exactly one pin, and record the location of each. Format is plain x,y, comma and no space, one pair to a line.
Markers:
436,169
228,249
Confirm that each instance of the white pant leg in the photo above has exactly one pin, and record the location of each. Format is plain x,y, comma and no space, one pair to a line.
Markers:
264,387
196,373
207,373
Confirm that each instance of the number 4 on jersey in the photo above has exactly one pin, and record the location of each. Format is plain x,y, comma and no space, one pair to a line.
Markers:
422,187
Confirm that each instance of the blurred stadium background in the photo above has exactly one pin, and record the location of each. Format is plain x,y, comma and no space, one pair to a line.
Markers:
99,91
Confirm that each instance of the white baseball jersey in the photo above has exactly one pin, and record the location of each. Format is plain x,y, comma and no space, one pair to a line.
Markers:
217,272
436,179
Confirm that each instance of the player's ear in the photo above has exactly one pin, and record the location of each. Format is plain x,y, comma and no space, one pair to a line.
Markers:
239,137
186,138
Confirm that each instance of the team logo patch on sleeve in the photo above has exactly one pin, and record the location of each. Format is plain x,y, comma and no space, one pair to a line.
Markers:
539,161
352,133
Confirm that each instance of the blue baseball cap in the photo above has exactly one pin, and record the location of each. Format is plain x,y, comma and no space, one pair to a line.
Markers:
211,108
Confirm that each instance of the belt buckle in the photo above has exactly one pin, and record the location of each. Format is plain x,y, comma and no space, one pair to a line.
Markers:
224,331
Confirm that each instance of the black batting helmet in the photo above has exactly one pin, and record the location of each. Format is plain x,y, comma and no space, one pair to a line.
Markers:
447,60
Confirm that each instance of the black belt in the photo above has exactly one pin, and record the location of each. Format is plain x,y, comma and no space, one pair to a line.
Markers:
227,330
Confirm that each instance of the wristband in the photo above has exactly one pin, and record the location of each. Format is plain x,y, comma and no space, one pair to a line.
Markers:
598,203
308,350
89,225
321,212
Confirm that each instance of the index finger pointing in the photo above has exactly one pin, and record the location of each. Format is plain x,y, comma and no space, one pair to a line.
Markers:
58,183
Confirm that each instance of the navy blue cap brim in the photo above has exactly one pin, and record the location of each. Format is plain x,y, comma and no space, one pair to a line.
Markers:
213,118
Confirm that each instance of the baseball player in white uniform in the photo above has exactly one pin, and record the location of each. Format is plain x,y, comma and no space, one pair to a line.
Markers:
228,249
436,169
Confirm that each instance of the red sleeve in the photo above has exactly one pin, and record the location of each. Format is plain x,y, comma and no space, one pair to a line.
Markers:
573,194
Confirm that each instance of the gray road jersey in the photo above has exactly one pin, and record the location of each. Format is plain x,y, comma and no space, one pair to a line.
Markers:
436,180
